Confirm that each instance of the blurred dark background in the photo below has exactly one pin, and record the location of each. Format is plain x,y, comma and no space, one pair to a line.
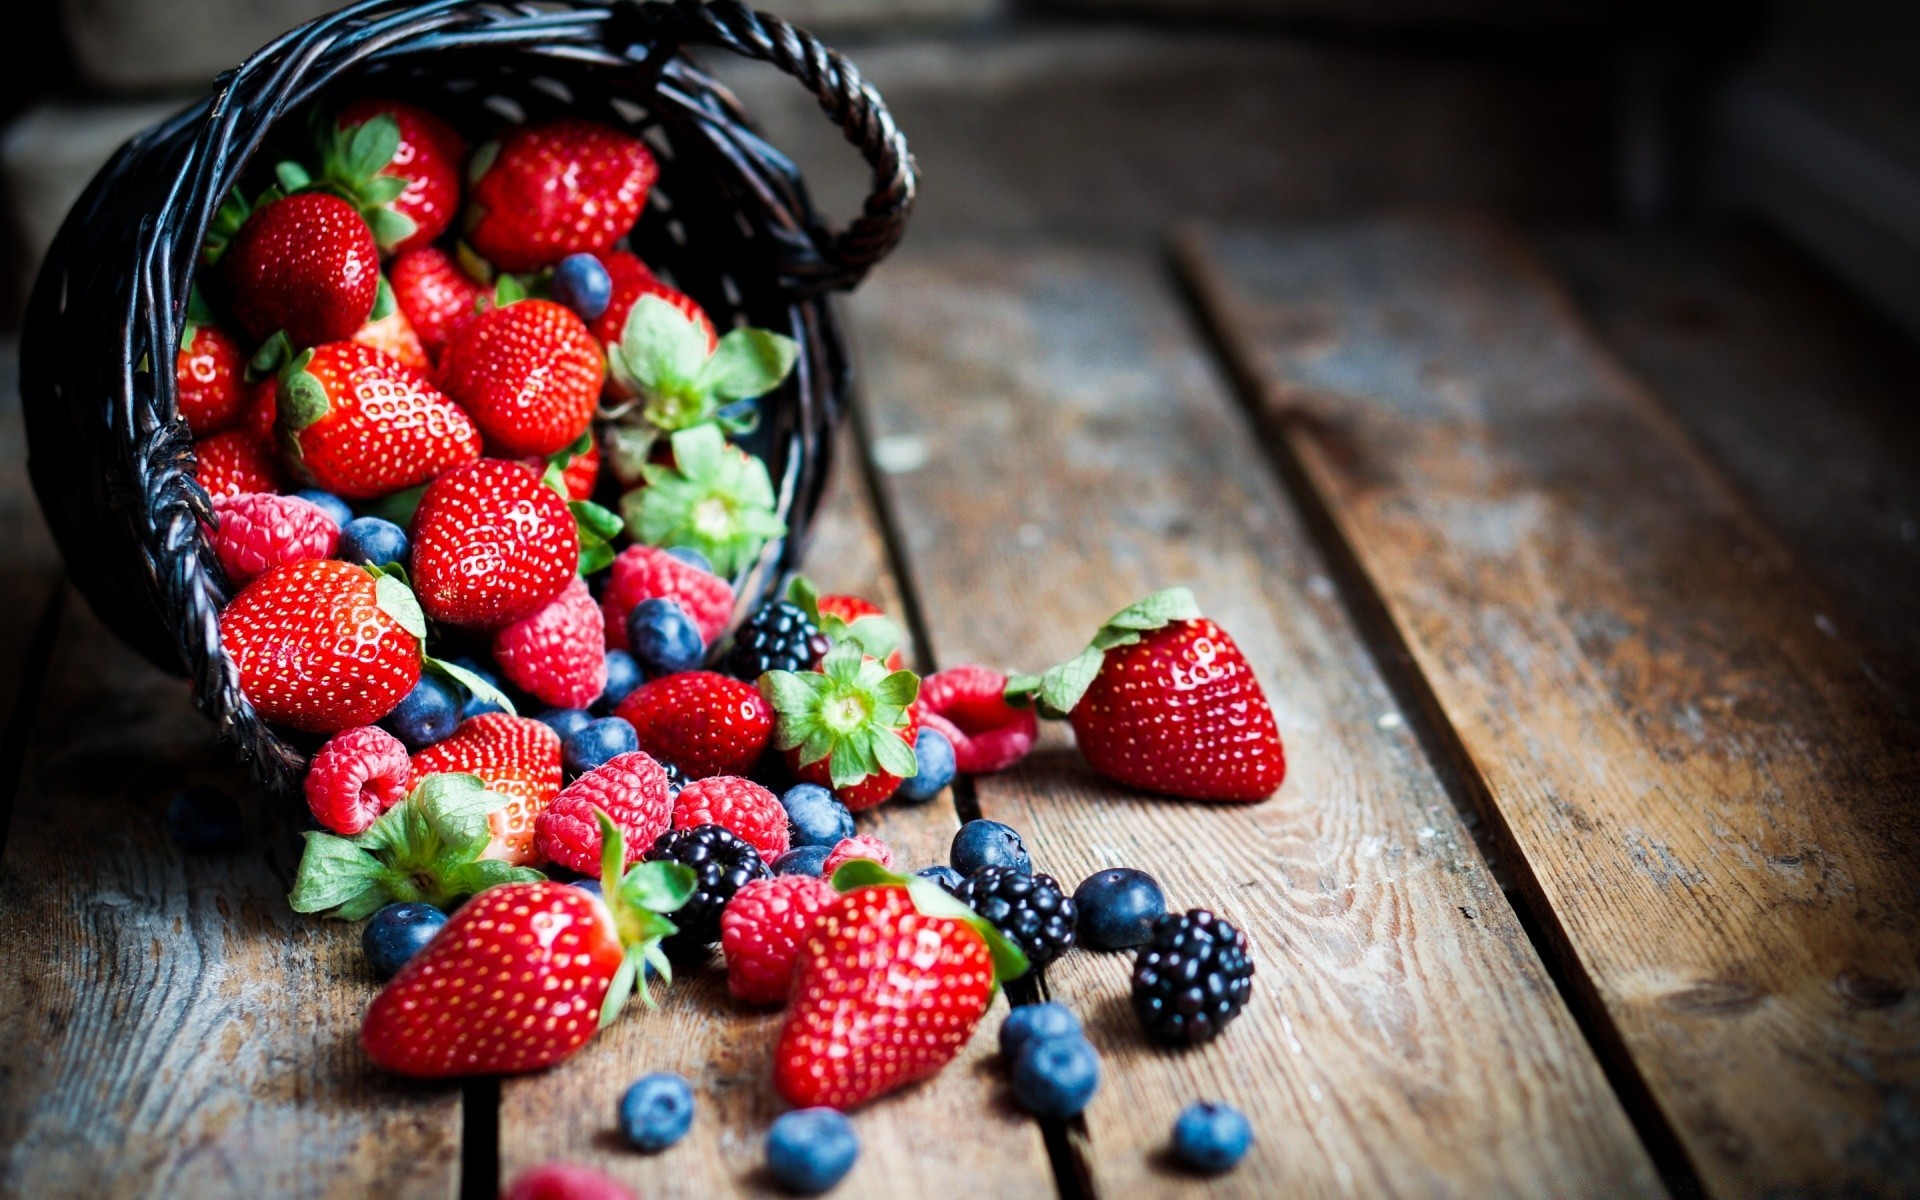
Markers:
1116,118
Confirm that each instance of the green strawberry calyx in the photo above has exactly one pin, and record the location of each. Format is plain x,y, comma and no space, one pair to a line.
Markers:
875,634
1055,693
199,316
1009,961
427,848
662,357
351,161
714,498
639,898
851,712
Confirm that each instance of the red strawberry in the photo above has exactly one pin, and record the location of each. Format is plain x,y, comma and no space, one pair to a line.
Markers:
324,646
861,845
491,544
436,295
207,379
633,279
1163,701
556,652
259,530
557,188
630,788
360,425
702,722
752,812
849,610
393,336
761,929
649,573
579,471
564,1181
427,155
235,462
518,757
356,776
849,726
969,704
262,414
530,375
304,263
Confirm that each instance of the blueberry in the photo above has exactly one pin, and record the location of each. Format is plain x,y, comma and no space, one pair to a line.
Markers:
811,1149
663,638
934,753
398,932
427,714
205,820
372,542
988,844
591,886
623,675
656,1111
1055,1076
692,557
475,705
818,819
565,721
1029,1021
327,503
1117,908
1211,1137
596,742
582,284
943,875
802,860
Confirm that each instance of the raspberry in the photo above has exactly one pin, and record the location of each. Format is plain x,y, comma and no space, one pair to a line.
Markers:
987,733
647,573
258,530
860,845
632,788
356,776
761,929
235,461
556,652
749,810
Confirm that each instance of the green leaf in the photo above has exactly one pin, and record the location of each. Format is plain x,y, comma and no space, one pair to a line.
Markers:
590,517
397,600
372,145
397,507
876,635
508,289
594,559
1009,961
292,176
301,401
901,688
273,354
332,872
1161,608
715,498
857,873
227,220
472,264
482,160
383,302
1062,686
661,346
788,691
659,887
800,591
383,190
896,757
619,990
613,852
199,313
747,363
476,686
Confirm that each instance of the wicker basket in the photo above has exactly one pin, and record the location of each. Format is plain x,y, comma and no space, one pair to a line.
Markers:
729,221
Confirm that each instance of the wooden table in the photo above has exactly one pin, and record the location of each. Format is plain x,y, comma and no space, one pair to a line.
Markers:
1575,570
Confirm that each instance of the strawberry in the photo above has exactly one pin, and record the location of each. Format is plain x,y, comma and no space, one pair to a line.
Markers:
262,415
437,296
525,973
650,573
1162,700
702,722
578,467
306,264
630,788
518,758
750,811
235,462
860,845
849,726
761,930
359,774
850,611
208,379
969,704
556,188
322,645
633,279
259,530
890,982
848,619
491,544
400,165
557,652
564,1181
393,336
358,424
529,373
715,498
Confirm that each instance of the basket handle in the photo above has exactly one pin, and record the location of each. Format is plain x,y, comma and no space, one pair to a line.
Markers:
849,100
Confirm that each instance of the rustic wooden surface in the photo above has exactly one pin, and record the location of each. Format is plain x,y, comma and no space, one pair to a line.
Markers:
1059,447
1710,801
726,1049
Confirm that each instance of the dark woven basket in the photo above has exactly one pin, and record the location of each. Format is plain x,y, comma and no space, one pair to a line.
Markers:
729,222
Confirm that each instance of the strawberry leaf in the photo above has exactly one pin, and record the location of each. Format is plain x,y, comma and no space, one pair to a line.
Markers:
338,878
476,685
715,498
1061,687
849,713
508,289
199,315
227,220
371,146
746,364
292,176
397,600
472,265
618,990
272,356
597,527
482,160
301,400
661,348
383,301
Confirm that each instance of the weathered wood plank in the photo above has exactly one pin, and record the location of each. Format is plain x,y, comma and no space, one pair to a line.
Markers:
1059,447
726,1050
1708,798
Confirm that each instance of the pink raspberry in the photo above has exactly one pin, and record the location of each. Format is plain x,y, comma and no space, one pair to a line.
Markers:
632,788
258,530
648,572
753,813
564,1181
860,845
556,652
358,774
761,929
987,733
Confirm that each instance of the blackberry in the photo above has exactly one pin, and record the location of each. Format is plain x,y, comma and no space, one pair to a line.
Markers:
1030,909
1192,978
779,637
676,777
723,864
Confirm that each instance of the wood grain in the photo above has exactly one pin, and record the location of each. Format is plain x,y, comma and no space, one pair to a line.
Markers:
1058,447
1709,799
726,1050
